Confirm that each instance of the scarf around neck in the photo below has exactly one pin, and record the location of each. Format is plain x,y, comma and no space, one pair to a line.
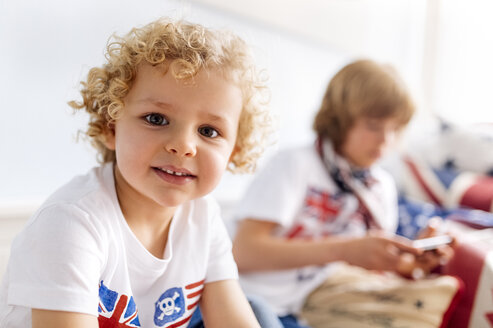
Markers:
354,180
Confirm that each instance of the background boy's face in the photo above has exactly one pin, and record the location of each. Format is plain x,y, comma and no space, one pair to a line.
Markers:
174,138
367,140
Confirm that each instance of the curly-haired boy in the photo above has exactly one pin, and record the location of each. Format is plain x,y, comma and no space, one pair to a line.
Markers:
136,242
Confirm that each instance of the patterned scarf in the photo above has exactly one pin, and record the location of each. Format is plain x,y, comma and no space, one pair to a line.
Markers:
356,181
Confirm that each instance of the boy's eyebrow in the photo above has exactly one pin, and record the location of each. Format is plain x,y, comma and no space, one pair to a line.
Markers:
154,102
217,118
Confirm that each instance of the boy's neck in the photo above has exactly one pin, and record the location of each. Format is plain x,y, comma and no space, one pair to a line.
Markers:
149,222
152,235
150,227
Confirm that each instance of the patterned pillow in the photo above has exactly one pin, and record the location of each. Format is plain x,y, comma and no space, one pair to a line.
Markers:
446,186
465,148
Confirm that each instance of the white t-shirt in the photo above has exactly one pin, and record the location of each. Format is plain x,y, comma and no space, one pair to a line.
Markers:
78,254
295,191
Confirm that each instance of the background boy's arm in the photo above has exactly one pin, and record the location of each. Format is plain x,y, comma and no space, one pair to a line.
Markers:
256,249
223,304
62,319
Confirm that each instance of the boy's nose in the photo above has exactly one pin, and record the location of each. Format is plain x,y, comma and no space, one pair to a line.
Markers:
181,145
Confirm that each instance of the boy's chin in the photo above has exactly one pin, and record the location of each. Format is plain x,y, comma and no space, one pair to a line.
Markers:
366,164
373,159
365,161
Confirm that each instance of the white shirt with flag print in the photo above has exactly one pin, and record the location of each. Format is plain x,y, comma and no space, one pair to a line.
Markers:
295,191
78,254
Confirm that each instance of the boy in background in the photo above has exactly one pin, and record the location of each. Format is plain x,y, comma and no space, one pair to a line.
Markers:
136,242
314,207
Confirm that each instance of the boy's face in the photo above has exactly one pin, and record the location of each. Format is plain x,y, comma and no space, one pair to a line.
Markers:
174,138
367,140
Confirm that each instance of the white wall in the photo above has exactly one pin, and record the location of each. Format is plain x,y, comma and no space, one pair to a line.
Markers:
48,46
464,64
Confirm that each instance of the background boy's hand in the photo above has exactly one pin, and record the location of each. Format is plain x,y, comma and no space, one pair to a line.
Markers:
421,265
412,266
435,227
379,251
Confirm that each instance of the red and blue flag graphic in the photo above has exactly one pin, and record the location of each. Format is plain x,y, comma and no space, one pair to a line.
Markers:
116,310
171,307
320,207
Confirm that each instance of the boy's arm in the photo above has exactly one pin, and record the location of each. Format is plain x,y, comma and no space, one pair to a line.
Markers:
223,304
256,249
61,319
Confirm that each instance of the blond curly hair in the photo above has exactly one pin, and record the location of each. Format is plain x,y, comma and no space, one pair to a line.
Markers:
191,47
363,88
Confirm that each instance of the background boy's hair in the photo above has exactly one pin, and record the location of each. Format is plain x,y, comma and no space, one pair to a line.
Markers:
181,48
362,88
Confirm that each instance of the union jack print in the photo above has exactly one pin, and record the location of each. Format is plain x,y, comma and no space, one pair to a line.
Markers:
116,310
322,205
319,208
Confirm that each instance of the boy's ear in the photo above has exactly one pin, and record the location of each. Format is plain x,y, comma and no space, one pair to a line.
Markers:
109,137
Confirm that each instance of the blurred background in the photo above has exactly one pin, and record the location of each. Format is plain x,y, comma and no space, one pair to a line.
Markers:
442,48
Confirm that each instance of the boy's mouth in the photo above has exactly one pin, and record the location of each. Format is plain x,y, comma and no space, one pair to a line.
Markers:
175,172
180,174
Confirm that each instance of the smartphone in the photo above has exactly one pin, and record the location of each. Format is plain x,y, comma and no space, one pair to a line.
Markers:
431,243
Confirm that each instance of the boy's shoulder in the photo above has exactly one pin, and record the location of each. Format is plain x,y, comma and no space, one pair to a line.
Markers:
97,180
84,210
93,191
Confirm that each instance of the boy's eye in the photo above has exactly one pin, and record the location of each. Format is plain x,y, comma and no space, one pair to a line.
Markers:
156,119
209,132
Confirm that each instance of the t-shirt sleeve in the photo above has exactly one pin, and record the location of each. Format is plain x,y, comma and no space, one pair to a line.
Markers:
221,264
56,262
276,192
